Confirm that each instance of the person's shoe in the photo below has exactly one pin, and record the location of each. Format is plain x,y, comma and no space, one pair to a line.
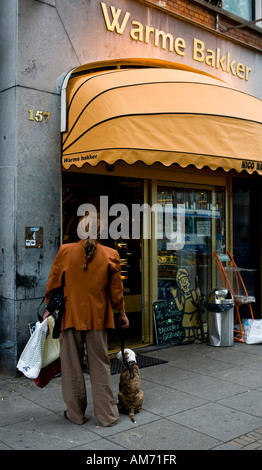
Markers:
66,417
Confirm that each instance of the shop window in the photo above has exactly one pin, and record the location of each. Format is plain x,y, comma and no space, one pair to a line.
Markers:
243,8
204,232
185,264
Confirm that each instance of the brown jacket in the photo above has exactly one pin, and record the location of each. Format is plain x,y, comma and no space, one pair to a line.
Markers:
91,294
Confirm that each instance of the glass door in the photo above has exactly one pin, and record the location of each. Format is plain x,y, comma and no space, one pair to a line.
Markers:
246,236
190,226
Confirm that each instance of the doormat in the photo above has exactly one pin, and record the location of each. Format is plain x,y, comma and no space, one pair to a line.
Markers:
142,361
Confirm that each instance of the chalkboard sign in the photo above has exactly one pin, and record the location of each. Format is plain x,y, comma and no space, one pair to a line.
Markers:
168,322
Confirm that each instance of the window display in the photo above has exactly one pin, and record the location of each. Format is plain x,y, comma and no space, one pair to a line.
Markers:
185,272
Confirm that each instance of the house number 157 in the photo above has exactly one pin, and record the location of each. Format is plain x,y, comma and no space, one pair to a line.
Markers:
39,115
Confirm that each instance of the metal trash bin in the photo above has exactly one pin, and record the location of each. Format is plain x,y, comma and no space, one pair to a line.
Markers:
220,318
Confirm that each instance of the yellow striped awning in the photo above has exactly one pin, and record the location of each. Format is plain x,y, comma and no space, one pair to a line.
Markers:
161,115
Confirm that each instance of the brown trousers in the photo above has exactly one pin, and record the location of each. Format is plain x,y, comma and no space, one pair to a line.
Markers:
73,383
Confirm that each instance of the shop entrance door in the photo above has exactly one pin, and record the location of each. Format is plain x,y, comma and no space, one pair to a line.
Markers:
119,194
186,241
246,196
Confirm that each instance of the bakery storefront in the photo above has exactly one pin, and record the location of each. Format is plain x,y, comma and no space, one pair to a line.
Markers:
165,141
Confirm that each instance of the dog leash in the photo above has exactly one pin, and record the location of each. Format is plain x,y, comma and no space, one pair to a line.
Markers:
126,363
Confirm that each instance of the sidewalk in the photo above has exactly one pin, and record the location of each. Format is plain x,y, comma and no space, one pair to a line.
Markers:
203,398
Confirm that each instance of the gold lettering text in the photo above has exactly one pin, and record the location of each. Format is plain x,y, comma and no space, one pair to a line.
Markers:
137,33
164,37
115,25
210,58
216,59
248,69
198,51
240,70
180,44
220,61
147,35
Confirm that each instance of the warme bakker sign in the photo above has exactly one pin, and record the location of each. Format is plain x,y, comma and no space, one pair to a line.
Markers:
119,21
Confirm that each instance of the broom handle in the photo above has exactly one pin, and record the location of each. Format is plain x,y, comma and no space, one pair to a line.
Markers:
200,314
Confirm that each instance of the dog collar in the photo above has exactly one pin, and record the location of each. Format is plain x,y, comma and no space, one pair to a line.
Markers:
132,363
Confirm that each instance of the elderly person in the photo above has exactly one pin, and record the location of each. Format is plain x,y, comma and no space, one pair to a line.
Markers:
92,288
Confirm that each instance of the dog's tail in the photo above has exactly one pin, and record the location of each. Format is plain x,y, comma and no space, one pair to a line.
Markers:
132,415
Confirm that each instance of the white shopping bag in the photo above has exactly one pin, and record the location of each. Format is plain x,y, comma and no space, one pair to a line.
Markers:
30,361
52,346
252,330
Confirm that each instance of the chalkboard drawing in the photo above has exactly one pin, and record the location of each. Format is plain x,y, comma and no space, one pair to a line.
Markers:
167,322
187,302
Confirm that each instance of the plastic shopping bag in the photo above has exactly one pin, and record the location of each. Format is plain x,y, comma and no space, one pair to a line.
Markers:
30,361
252,330
48,373
52,346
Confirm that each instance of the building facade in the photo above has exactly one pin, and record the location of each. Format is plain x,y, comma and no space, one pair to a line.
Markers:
117,104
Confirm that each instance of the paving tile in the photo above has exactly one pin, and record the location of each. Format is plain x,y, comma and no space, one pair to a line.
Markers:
208,388
164,435
165,401
218,421
244,376
249,401
124,423
100,444
50,433
164,374
15,409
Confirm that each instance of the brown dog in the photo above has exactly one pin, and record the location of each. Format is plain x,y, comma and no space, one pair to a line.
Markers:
130,395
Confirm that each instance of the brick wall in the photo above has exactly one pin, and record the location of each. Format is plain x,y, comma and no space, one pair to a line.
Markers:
207,16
